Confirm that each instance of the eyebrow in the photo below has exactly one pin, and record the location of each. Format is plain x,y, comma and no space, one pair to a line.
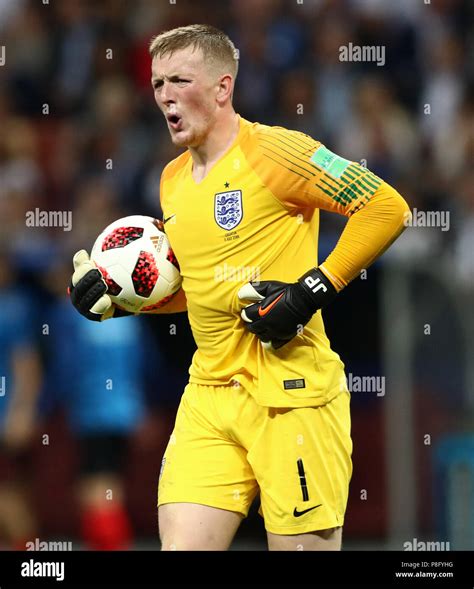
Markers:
170,77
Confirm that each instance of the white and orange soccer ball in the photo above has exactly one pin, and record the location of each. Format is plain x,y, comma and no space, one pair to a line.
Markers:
137,263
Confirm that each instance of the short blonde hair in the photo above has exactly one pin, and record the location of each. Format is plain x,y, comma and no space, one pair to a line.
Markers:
215,45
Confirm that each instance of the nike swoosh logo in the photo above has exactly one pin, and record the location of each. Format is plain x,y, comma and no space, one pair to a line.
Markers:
263,312
297,513
166,220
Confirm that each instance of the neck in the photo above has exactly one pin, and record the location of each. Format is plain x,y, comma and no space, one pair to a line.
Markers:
219,139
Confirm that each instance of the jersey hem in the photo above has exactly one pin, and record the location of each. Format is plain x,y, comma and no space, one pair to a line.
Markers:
298,403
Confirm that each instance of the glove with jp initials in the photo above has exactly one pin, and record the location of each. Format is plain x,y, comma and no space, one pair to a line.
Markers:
88,291
281,309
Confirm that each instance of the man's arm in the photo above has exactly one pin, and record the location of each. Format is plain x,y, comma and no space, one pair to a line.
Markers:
367,234
279,309
303,174
177,304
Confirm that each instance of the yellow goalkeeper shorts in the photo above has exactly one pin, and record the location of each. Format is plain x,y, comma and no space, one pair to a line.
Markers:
225,448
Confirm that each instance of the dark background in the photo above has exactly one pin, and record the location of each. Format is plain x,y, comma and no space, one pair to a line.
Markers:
75,91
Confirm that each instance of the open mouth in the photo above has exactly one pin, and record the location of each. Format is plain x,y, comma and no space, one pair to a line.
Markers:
174,121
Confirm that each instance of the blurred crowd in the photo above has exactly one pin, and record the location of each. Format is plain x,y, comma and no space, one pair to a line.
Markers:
80,132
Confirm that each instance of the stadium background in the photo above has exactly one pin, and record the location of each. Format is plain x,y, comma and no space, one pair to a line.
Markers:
80,133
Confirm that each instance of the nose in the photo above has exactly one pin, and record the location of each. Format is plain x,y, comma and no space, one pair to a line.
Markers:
166,93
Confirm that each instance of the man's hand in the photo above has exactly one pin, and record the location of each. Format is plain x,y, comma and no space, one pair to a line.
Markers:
88,291
280,309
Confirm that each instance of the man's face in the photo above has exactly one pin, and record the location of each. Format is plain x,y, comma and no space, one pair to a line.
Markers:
185,91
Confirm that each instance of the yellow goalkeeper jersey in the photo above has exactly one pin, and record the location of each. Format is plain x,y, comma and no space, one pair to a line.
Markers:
255,217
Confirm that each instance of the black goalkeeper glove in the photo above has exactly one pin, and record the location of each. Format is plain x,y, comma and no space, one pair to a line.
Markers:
88,291
280,310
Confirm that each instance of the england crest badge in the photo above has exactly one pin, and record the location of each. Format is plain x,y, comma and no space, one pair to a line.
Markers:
228,210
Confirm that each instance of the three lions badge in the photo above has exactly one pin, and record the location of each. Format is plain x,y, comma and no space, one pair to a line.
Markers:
228,210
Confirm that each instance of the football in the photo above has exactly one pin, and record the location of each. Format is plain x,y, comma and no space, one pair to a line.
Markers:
137,263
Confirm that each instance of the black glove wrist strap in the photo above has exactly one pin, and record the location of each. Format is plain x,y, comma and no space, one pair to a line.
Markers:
317,288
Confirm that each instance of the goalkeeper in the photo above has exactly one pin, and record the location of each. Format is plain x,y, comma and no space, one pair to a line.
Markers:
267,407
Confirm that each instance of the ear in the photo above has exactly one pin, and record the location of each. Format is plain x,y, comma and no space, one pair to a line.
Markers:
225,88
